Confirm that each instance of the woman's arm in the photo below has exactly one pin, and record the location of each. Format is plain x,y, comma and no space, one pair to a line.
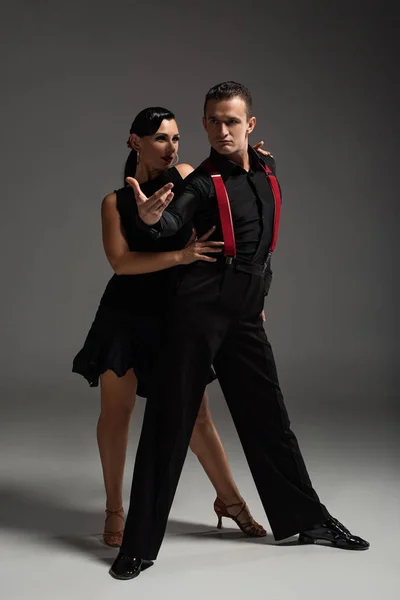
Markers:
125,262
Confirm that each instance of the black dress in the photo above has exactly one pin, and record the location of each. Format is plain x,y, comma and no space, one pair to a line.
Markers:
128,328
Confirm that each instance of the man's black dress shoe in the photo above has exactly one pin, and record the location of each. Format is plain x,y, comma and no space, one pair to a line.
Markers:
125,567
335,533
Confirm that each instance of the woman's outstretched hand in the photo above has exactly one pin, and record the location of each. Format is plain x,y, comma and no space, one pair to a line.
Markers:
150,209
258,148
197,248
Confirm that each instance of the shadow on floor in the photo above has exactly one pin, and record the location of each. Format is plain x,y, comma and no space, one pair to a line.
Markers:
23,511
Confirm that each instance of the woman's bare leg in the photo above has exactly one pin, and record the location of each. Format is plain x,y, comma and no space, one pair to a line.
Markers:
207,446
117,402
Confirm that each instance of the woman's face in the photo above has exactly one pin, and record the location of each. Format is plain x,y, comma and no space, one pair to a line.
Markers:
158,151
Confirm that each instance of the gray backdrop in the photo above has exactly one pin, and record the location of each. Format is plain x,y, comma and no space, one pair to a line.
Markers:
323,79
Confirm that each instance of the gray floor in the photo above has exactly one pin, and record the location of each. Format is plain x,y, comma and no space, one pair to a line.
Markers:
52,508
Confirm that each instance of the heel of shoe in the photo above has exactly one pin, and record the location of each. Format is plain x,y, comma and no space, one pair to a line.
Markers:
249,527
218,509
305,539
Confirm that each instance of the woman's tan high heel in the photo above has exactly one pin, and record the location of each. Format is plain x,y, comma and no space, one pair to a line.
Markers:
113,538
250,527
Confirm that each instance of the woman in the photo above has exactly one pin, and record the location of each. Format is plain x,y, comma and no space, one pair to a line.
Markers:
125,338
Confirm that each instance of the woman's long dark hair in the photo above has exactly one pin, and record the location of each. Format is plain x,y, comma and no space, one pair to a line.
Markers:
147,122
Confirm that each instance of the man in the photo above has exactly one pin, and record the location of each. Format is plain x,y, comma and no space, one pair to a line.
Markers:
215,319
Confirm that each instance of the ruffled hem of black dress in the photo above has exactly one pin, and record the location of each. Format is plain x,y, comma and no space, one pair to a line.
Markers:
118,341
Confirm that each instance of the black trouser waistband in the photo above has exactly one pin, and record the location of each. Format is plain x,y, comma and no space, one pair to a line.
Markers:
242,265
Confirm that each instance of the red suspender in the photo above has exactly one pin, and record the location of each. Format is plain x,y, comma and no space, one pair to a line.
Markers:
225,209
273,182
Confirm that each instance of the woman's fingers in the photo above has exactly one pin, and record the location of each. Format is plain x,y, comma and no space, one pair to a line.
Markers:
206,258
160,206
140,197
192,238
258,148
161,198
207,234
211,249
210,244
265,153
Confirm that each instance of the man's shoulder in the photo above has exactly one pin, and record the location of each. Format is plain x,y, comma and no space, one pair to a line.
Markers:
198,178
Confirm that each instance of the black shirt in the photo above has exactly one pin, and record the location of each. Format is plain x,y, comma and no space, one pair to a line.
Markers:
251,201
144,293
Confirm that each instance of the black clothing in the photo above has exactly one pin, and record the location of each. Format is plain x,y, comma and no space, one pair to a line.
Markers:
250,197
143,294
129,324
119,340
215,319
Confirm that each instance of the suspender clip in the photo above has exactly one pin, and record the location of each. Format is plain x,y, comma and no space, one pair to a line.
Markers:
229,260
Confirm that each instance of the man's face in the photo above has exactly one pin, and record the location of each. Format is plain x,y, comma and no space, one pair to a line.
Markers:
228,125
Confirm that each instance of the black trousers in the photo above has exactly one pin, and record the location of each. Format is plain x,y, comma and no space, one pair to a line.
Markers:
215,319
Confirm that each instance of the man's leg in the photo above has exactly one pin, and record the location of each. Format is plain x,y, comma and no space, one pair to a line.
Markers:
247,374
167,428
171,412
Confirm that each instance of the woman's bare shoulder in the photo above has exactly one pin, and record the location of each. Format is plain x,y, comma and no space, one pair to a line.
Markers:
109,202
184,169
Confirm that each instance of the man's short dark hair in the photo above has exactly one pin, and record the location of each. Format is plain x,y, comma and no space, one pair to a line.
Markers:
228,90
